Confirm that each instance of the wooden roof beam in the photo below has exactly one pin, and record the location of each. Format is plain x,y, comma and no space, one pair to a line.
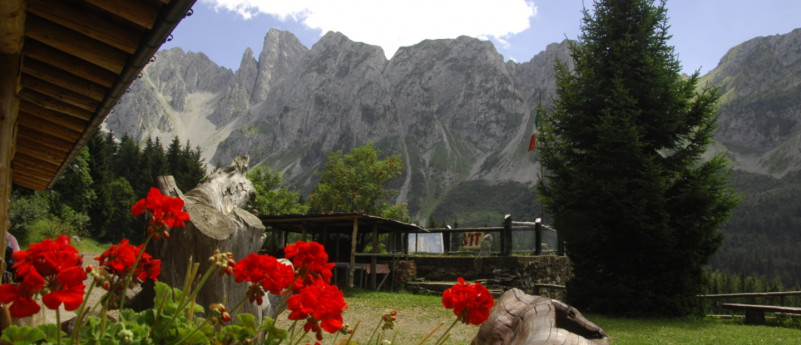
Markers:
54,117
34,164
31,149
48,102
140,13
46,140
73,15
75,44
26,178
33,122
63,79
67,63
59,93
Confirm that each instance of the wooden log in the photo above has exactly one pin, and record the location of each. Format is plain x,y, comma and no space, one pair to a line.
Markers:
217,222
518,318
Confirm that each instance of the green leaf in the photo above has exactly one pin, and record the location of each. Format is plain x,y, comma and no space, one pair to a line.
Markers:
162,291
247,320
22,335
50,332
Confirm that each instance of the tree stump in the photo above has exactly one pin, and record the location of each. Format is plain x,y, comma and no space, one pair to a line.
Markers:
521,319
217,222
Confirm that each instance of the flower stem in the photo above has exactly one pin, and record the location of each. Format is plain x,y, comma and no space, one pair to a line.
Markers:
183,304
192,332
58,325
375,330
81,312
239,305
429,334
447,331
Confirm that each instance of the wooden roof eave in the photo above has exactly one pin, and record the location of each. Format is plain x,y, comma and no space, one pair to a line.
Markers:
169,17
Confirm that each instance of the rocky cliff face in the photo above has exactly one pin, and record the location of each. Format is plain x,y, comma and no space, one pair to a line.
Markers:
453,109
760,108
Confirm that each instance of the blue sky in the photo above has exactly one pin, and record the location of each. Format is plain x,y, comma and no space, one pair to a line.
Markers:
703,30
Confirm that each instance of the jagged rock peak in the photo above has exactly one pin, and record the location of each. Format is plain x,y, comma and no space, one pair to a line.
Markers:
280,54
336,41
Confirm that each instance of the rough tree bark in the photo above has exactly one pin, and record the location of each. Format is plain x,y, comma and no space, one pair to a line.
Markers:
217,222
521,319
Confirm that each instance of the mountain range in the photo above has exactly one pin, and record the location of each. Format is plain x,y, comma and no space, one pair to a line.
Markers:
459,116
453,109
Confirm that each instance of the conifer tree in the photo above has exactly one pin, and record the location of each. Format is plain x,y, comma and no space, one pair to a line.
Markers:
626,184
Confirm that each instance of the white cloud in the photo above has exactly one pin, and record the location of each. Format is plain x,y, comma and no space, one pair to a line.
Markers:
392,24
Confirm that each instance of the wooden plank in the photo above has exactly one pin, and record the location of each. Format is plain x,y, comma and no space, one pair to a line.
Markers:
24,178
752,294
48,102
12,27
58,77
31,149
55,117
9,103
769,308
35,123
75,44
353,252
67,63
140,13
42,169
374,260
45,140
74,15
59,93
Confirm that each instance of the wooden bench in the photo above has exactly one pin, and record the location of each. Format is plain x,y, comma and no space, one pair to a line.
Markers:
755,314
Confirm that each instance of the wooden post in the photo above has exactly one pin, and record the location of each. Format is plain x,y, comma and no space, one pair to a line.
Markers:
506,236
538,237
374,259
353,251
12,36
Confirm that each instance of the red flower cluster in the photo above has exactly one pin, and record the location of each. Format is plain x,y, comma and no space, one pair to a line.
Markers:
119,259
167,212
265,273
311,263
49,267
471,303
321,305
313,298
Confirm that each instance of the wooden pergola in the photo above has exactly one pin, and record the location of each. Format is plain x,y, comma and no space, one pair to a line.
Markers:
64,64
349,225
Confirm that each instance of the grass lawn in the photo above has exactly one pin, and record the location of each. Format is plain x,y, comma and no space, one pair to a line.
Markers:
418,315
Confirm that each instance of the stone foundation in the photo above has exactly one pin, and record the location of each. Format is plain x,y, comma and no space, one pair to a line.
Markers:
534,275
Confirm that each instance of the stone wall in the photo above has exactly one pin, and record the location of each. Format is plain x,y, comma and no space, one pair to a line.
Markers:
498,273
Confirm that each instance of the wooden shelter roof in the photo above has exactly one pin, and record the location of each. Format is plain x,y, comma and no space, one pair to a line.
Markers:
335,223
70,62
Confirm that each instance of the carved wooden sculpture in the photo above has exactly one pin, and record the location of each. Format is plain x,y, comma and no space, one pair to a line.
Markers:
217,222
521,319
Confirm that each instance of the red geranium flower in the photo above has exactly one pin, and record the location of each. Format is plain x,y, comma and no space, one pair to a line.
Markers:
167,212
321,305
21,295
50,266
471,303
70,292
265,273
119,259
311,263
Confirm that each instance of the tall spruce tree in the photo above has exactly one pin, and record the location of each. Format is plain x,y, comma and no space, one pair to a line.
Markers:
626,184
